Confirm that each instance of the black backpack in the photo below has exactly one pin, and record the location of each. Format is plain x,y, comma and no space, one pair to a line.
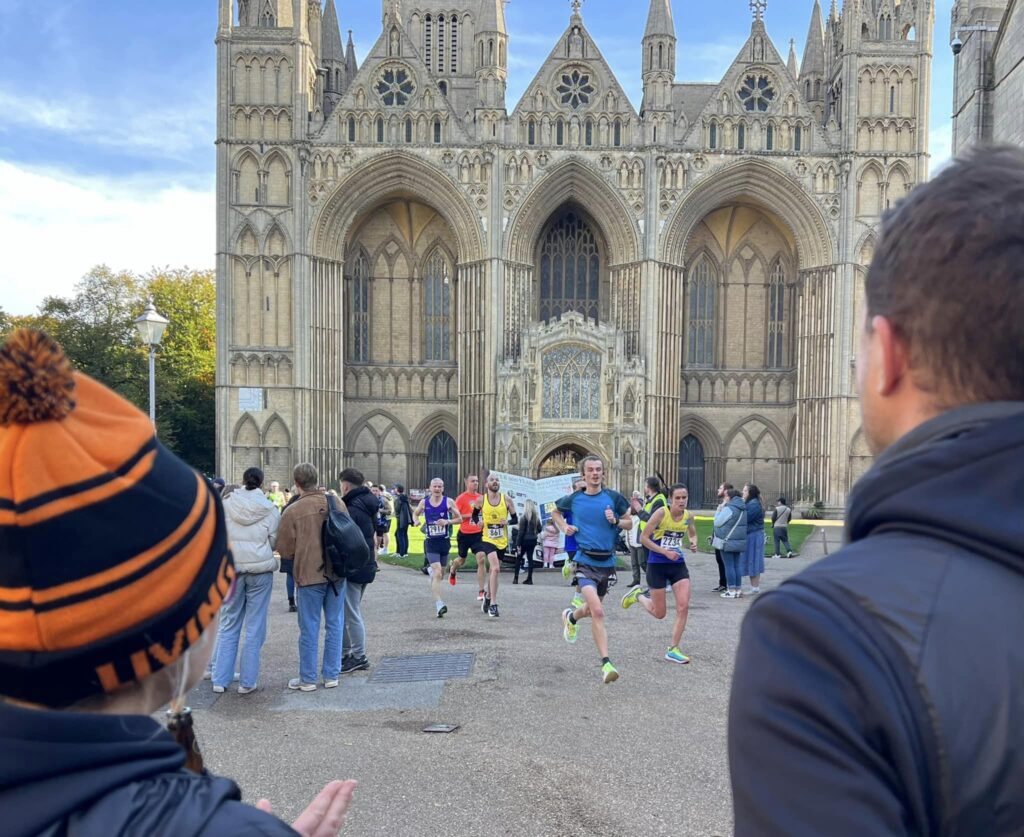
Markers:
345,549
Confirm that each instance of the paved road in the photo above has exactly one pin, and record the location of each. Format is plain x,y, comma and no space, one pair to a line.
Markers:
544,748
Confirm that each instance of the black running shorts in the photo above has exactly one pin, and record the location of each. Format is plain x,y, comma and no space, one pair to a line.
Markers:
470,543
660,576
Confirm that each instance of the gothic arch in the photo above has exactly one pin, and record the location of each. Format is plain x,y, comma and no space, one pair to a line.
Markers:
245,228
705,433
770,428
396,174
275,432
573,181
280,230
246,432
364,423
767,187
574,440
430,427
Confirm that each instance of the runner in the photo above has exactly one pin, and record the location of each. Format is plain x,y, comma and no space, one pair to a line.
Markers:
570,552
666,566
496,514
469,538
440,515
597,513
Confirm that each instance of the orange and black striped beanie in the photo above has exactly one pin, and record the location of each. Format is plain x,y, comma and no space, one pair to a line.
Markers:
113,552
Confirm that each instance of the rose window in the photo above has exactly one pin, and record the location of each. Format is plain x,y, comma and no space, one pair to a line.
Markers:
395,87
756,93
575,89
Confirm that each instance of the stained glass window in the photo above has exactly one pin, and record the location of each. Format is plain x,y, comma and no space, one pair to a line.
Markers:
437,309
395,87
776,354
702,314
570,270
756,93
358,278
572,383
575,89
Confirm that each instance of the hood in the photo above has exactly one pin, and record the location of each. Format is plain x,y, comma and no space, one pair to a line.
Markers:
362,498
247,507
957,478
57,763
737,503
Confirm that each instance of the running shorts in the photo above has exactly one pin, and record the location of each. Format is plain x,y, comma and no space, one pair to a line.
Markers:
600,577
470,543
660,576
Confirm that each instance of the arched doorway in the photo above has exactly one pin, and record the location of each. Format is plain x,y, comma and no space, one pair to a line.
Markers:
691,468
570,268
443,460
562,460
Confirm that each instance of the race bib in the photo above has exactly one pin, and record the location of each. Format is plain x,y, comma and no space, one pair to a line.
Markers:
496,530
673,540
437,530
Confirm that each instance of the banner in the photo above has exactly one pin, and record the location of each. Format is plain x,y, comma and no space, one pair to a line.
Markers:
545,493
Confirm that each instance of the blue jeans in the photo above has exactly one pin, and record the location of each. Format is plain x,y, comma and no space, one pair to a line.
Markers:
354,644
781,534
289,586
313,600
733,561
248,606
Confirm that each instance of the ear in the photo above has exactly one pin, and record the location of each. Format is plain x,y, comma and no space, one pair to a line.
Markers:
892,361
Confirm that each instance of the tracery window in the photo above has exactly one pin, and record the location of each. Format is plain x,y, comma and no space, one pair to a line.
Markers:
437,309
703,281
776,354
575,89
570,270
395,87
756,93
358,278
572,383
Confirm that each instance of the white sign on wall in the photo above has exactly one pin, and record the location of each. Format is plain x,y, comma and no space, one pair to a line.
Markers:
252,399
545,493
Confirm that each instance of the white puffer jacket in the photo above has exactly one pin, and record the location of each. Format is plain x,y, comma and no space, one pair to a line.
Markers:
252,530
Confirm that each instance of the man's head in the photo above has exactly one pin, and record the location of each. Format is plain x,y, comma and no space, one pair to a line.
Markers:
437,486
306,477
350,478
652,486
275,486
375,490
593,470
944,312
493,484
399,489
473,484
781,501
724,489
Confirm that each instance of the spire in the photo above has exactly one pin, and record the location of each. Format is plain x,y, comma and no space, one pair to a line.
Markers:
492,18
791,61
330,49
659,19
351,67
813,61
833,13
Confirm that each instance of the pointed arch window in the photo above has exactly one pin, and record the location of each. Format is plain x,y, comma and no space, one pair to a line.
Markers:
380,129
443,459
358,279
775,357
703,292
531,133
589,133
428,41
559,132
769,138
713,135
572,383
437,309
798,139
351,129
408,129
440,43
691,468
617,134
453,62
570,269
437,131
741,137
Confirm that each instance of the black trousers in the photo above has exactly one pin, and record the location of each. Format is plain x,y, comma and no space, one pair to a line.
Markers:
402,540
721,569
527,550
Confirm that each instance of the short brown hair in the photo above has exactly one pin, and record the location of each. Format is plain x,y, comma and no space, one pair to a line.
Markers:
306,476
590,457
948,273
353,476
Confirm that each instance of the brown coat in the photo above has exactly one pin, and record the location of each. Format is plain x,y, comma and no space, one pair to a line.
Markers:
299,537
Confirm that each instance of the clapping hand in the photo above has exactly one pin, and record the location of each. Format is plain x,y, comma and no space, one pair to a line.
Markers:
326,813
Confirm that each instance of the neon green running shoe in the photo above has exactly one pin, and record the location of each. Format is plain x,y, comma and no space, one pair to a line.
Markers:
577,602
674,655
567,569
611,674
569,630
631,597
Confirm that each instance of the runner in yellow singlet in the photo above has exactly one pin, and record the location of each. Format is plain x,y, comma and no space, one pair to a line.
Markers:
667,535
497,513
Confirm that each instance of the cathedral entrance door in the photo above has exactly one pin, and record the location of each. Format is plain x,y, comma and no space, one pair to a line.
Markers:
562,460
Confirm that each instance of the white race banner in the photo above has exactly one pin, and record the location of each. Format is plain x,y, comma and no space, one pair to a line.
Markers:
545,493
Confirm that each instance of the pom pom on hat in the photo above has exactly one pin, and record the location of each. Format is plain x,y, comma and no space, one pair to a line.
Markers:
36,379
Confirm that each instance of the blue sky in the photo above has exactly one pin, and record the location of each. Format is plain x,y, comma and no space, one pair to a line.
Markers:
107,116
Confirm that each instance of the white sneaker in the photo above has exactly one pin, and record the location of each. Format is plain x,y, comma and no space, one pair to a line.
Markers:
247,690
297,685
331,684
218,690
207,675
753,591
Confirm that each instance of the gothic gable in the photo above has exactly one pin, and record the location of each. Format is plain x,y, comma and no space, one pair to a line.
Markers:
394,98
757,90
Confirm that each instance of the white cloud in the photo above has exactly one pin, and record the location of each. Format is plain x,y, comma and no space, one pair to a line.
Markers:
940,145
56,226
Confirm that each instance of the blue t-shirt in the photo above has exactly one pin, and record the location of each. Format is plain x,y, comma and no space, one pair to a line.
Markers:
570,540
595,532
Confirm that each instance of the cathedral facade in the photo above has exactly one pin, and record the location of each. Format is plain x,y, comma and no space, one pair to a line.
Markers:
419,278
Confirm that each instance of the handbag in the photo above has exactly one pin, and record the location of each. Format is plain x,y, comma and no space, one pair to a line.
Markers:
719,543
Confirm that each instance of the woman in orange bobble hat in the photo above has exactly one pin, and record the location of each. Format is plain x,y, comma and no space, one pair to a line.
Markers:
114,563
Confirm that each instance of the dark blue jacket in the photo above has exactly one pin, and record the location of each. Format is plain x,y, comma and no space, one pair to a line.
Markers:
755,516
881,691
363,508
93,775
733,526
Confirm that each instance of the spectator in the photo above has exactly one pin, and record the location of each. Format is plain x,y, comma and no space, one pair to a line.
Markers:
81,679
252,522
781,515
654,494
731,540
880,691
753,555
276,496
551,537
403,520
527,533
723,498
363,506
320,592
637,553
382,525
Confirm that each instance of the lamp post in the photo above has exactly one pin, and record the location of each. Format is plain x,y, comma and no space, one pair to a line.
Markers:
151,328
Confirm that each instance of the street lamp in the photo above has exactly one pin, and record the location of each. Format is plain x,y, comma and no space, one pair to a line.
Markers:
151,328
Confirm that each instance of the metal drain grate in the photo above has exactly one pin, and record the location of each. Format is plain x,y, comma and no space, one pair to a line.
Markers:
423,667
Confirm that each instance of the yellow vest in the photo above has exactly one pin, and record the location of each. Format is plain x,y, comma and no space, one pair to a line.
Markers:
673,534
495,522
649,504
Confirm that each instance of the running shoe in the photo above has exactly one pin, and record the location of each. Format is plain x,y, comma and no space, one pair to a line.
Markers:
611,674
451,579
569,630
331,684
247,690
295,684
674,655
442,609
577,602
492,611
480,596
485,605
566,569
729,594
631,598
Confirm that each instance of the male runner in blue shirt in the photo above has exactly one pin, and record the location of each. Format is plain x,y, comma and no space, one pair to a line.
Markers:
597,514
